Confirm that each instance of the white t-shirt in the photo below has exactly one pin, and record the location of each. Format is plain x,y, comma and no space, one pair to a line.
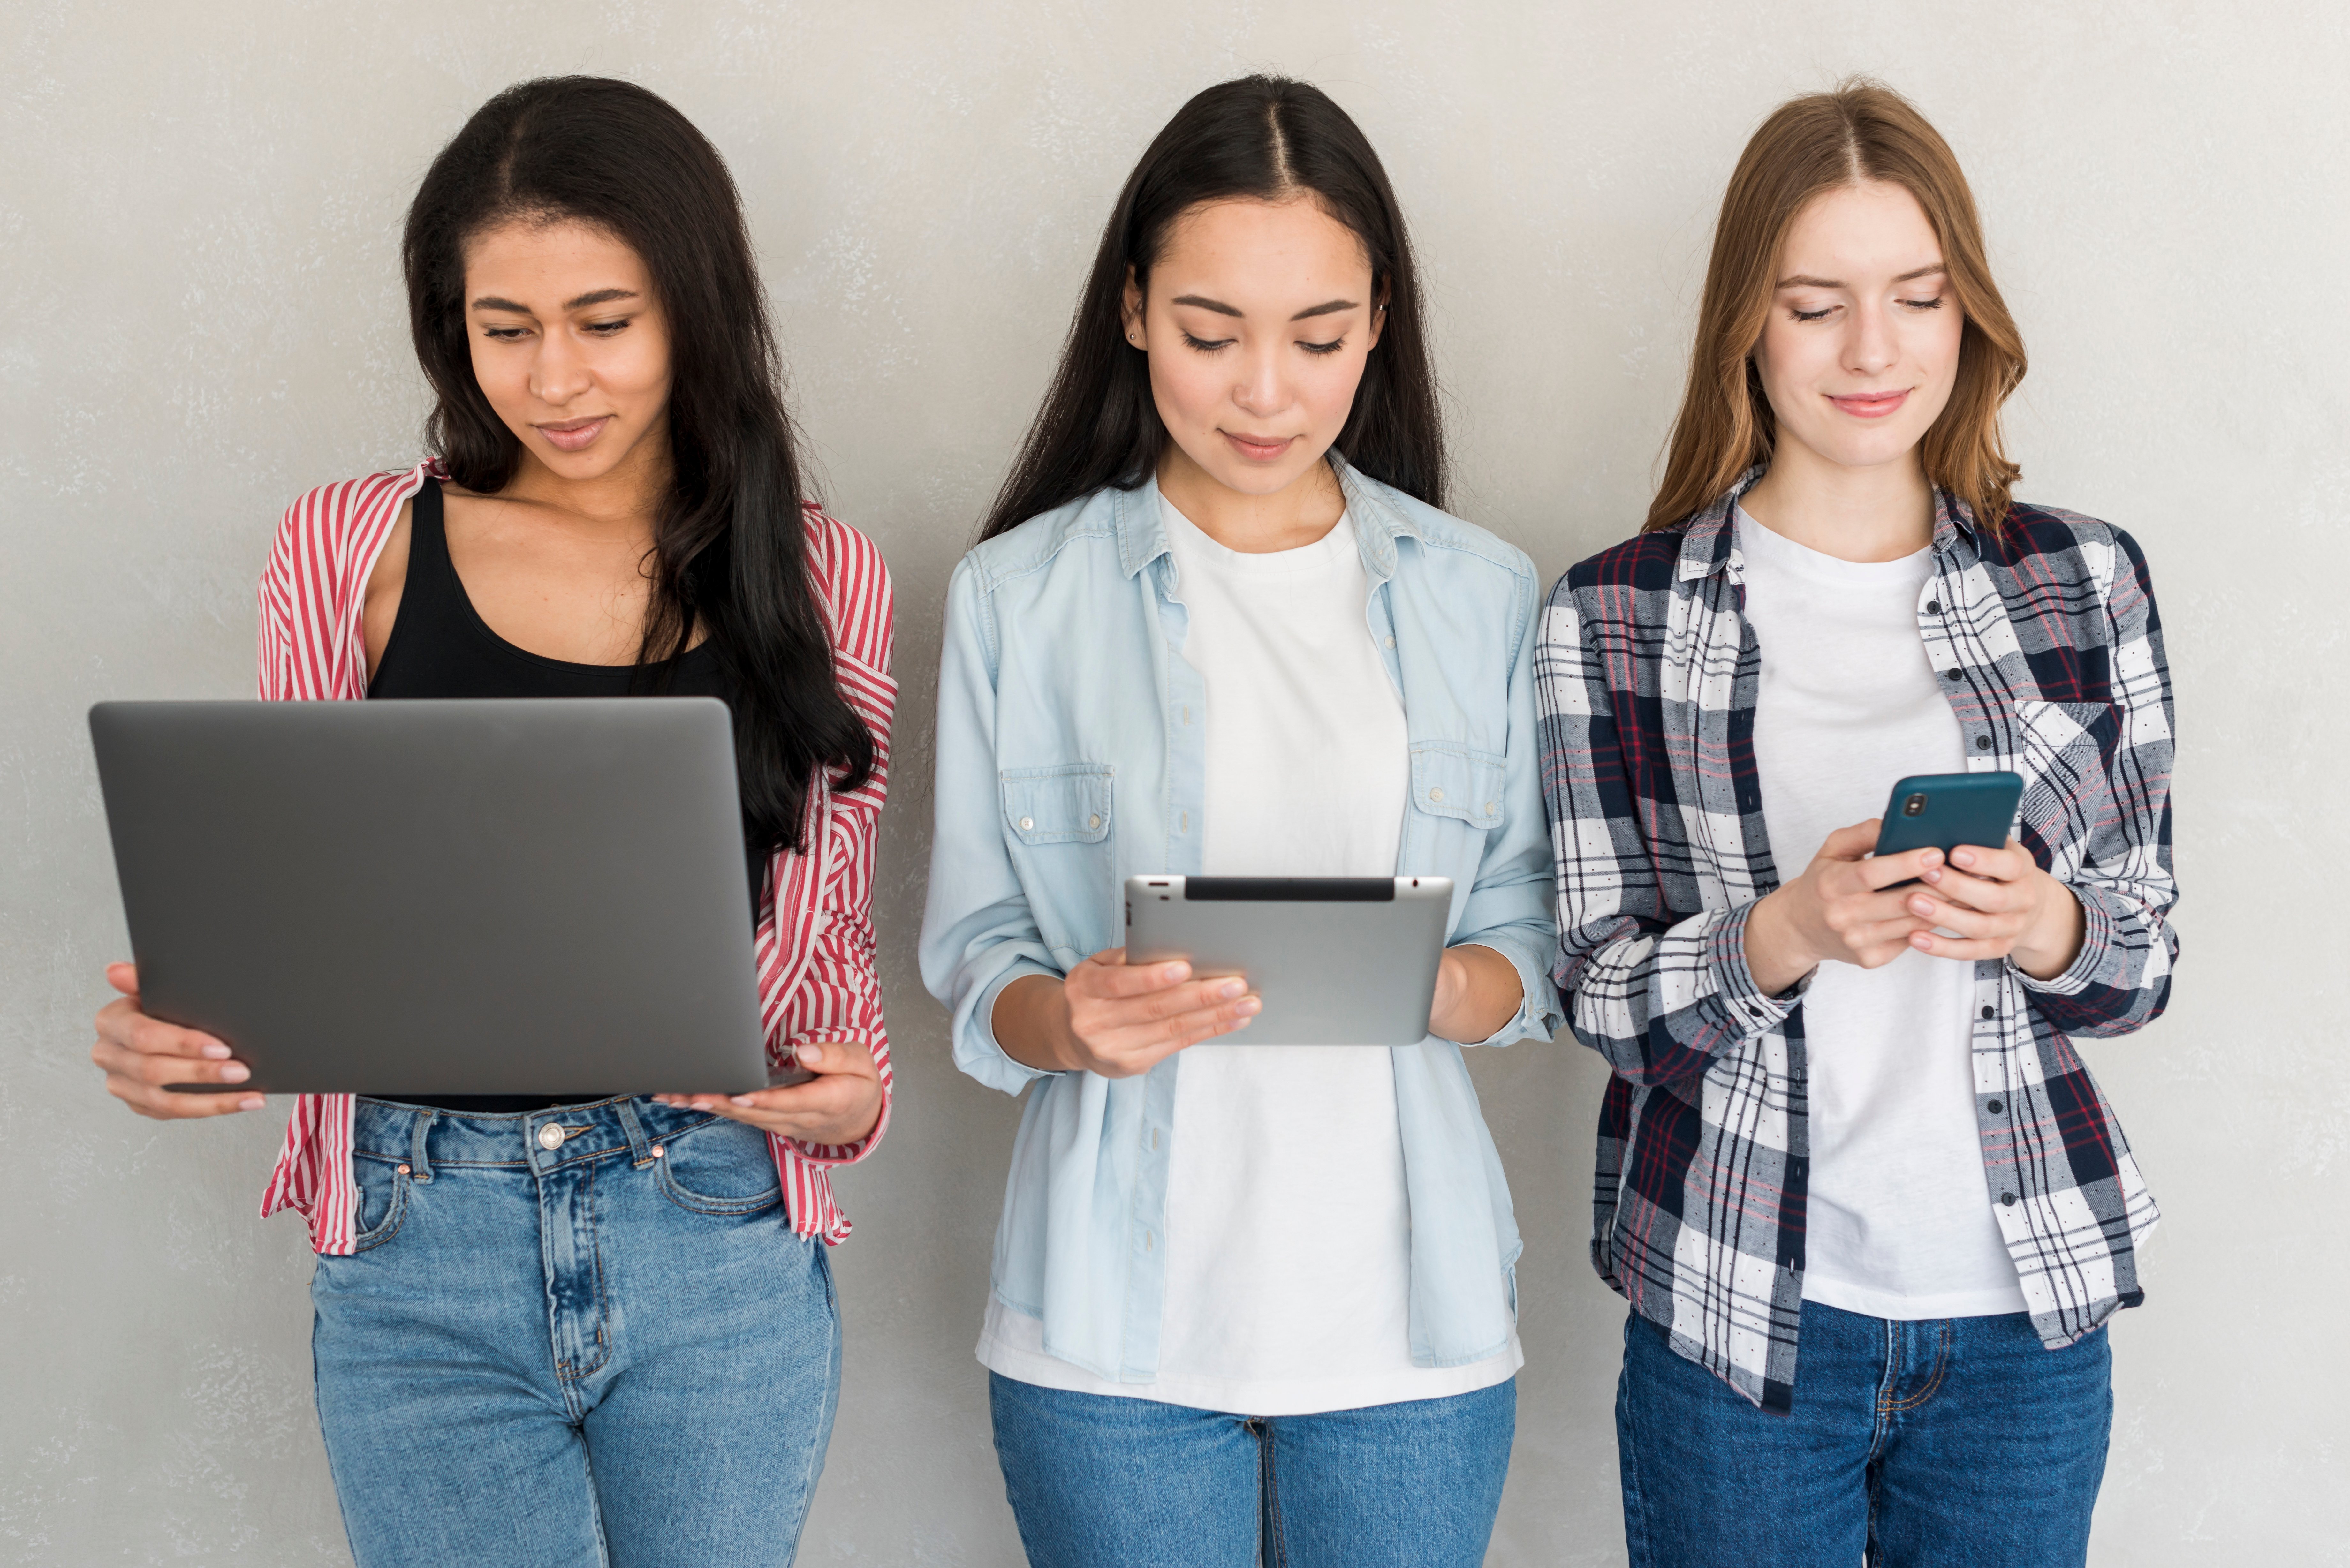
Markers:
1288,1234
1899,1221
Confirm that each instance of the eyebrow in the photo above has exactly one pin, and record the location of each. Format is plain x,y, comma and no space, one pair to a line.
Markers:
594,296
1326,307
1802,280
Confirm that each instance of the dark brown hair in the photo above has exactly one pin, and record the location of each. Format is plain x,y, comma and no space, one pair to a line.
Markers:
730,547
1861,131
1273,139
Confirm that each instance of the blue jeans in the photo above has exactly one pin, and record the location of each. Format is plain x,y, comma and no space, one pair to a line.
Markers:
615,1351
1957,1441
1100,1481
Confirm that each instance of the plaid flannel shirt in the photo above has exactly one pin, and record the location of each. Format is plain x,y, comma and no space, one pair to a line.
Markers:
2045,636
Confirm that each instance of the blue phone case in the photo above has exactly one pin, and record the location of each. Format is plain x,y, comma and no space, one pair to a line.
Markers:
1942,811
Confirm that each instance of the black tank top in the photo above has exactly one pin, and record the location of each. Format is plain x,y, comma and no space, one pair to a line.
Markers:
441,647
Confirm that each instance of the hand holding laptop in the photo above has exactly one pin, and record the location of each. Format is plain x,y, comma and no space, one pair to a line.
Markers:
141,1055
841,1104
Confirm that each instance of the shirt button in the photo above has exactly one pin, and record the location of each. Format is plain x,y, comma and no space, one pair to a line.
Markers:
1982,743
1492,806
1933,606
1436,794
2008,1198
1092,822
550,1136
1391,643
1183,822
1027,823
1988,1013
1951,674
1994,1107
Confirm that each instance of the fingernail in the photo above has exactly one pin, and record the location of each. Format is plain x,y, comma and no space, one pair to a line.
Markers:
1173,973
1931,876
1232,988
740,1099
236,1072
215,1051
250,1103
1250,1007
1961,858
1244,1023
811,1052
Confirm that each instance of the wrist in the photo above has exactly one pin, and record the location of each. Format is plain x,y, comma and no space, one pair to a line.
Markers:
1776,954
2053,940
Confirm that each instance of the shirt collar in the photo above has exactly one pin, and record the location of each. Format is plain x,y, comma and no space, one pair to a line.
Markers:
1142,530
1705,547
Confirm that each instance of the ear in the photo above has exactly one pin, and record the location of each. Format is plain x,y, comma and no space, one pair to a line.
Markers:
1130,314
1378,315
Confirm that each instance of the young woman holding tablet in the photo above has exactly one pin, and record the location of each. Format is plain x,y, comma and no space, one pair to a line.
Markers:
571,1333
1244,1297
1845,1101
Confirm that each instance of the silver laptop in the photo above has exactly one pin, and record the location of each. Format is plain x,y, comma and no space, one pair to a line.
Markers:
1336,961
442,897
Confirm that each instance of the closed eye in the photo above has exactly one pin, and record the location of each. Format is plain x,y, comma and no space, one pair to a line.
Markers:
1206,346
1933,304
1330,347
506,334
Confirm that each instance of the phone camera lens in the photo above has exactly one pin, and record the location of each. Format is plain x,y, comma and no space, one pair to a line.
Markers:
1913,806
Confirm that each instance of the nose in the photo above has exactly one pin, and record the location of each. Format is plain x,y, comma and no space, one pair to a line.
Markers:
1870,346
558,372
1260,391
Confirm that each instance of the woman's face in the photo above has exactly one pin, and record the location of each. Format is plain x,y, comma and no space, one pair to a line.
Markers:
1861,349
569,345
1257,322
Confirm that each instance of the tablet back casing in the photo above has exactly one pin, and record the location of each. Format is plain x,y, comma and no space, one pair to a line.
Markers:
429,898
1336,961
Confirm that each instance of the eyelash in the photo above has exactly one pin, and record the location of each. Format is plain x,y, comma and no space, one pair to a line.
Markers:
1821,313
517,334
1206,346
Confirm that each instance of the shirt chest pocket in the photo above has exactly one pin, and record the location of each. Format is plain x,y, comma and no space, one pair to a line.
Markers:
1056,824
1457,785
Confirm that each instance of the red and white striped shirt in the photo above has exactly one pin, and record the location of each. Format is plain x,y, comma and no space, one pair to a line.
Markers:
814,942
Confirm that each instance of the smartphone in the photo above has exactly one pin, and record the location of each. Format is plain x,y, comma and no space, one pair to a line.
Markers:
1942,811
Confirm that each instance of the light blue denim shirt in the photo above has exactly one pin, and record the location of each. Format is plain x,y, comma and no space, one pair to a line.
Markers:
1072,754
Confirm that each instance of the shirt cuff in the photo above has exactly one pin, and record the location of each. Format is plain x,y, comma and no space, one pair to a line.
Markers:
2096,943
1756,1011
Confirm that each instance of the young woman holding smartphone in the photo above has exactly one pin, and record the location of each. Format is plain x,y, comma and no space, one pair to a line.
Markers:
1845,1097
1244,1298
551,1332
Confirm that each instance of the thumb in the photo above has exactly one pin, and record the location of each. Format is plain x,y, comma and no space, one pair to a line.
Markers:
123,977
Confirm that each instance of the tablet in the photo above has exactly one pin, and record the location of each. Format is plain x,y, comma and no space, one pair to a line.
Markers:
484,897
1336,961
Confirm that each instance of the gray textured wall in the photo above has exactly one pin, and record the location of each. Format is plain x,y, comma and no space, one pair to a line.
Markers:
201,318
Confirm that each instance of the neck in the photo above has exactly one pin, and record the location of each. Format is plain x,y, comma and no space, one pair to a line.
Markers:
627,499
1880,512
1299,514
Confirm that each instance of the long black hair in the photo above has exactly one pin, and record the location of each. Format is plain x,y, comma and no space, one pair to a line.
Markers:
1271,138
730,545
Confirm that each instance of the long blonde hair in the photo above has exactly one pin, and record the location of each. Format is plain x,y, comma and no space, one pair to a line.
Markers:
1862,131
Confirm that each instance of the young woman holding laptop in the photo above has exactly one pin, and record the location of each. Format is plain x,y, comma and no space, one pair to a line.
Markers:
1244,1297
562,1333
1847,1113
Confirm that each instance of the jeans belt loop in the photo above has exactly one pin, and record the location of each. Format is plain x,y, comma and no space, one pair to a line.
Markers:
640,1148
419,1162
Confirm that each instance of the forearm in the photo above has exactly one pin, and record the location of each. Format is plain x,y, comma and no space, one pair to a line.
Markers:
1477,991
1031,1022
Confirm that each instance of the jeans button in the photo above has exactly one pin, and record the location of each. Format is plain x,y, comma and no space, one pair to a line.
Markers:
550,1136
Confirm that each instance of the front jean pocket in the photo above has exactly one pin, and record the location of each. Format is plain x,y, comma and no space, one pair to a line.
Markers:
719,1168
378,1199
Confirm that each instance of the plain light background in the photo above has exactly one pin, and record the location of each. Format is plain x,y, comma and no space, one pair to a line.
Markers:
201,317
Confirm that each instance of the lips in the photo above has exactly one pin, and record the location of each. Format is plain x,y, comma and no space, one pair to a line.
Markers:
1258,449
574,435
1871,405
